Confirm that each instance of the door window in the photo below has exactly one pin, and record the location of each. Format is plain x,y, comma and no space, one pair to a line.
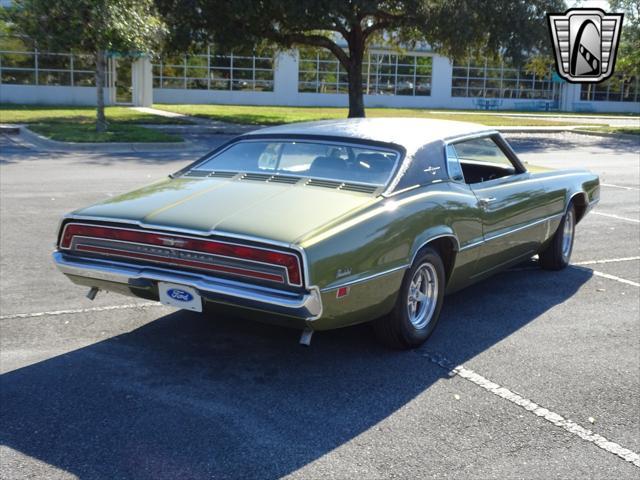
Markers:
481,159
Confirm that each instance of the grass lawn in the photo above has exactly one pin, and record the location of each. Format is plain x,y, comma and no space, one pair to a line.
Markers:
10,113
86,132
77,124
260,115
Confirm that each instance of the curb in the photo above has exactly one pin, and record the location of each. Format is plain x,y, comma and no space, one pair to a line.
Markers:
55,145
539,129
10,129
568,129
621,136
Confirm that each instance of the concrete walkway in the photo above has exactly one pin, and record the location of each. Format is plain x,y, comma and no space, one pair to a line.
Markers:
221,127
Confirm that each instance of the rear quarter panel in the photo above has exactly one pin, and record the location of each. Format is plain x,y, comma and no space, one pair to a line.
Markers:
370,251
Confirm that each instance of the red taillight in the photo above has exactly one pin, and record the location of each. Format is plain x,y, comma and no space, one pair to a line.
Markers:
271,257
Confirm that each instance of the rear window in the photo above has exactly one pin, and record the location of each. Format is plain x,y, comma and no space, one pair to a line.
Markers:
346,163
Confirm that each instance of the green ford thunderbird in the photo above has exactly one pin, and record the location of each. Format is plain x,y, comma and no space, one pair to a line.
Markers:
326,224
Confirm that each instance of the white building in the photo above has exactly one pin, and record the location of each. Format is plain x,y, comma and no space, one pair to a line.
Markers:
416,79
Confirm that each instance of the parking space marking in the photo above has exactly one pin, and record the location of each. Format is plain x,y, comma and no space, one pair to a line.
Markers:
80,310
610,185
544,413
618,217
607,260
613,277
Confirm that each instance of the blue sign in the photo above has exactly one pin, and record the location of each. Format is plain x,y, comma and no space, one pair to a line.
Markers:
179,295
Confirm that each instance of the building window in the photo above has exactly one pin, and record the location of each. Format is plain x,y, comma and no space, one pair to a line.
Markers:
497,80
213,71
617,89
20,65
383,74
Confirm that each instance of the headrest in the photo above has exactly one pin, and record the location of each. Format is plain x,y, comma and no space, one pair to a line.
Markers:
376,162
327,164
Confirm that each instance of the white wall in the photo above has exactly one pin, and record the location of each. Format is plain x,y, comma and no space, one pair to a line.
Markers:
49,95
285,92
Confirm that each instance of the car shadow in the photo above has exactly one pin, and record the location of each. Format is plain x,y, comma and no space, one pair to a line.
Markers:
187,396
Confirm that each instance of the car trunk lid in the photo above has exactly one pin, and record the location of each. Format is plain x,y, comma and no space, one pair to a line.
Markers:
283,212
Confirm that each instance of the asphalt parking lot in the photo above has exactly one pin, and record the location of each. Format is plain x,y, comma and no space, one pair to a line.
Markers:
118,388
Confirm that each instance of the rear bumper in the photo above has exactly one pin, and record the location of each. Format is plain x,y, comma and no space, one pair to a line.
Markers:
304,306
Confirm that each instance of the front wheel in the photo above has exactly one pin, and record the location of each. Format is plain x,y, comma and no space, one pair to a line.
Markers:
417,308
557,254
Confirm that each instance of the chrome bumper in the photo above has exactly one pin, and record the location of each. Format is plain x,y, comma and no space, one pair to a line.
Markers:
305,306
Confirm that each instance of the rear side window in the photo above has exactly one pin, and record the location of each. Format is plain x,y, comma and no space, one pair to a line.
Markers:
482,150
481,160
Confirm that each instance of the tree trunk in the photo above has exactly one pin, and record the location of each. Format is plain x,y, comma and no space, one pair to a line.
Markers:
354,72
101,121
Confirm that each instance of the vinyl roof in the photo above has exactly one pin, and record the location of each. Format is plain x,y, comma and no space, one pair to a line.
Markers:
410,133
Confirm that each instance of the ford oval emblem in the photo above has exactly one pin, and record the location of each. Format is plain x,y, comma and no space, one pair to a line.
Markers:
179,295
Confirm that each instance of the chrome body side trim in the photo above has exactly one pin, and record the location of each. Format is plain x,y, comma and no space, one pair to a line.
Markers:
513,230
363,279
305,306
471,245
470,136
445,235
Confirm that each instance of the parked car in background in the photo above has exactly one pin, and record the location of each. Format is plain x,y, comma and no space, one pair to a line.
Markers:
327,224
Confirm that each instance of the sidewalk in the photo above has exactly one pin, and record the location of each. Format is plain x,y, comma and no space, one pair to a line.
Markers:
207,125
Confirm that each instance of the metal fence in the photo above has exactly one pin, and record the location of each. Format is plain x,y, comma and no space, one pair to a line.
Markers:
383,73
613,90
46,68
499,81
213,71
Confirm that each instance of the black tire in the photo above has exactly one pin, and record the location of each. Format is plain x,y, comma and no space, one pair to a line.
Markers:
396,330
557,254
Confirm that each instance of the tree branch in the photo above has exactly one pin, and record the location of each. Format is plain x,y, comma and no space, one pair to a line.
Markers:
375,28
338,27
382,20
316,41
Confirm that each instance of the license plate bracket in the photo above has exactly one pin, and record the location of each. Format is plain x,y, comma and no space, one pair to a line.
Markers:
180,296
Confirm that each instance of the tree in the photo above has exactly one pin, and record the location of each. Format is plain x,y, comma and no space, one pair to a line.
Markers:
90,26
452,27
628,62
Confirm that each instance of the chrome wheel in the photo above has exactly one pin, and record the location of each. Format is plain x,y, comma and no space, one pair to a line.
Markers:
423,296
567,235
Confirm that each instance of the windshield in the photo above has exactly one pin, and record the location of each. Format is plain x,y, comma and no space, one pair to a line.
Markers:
333,161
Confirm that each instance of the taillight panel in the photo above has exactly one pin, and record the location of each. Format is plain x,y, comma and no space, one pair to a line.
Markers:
73,232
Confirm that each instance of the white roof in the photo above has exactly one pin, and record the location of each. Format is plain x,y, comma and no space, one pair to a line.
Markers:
410,133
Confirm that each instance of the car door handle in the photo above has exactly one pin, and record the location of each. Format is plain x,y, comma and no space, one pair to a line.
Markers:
483,202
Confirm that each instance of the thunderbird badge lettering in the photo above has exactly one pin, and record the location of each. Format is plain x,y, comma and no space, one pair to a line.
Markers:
585,43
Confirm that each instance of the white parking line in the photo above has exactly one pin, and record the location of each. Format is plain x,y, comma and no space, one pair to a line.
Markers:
552,417
617,279
618,217
610,185
81,310
607,260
